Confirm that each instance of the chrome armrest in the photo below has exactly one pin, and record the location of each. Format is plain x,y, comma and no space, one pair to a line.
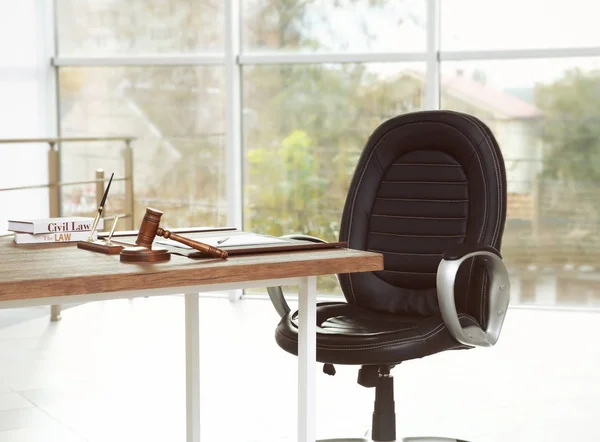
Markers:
499,296
275,293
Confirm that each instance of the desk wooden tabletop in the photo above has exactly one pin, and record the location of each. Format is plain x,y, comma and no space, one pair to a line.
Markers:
48,270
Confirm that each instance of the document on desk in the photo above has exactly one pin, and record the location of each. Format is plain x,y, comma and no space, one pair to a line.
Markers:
245,239
246,243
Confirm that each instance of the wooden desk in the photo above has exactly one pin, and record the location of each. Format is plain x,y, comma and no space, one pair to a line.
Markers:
62,273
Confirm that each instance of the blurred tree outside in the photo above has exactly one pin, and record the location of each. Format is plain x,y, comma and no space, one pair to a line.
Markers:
569,200
325,112
314,147
176,113
305,125
570,128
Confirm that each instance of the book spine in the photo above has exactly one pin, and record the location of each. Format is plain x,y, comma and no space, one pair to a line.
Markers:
66,226
28,238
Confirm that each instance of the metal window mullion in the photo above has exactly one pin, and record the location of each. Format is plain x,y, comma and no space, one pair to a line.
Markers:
48,45
432,68
47,77
300,58
507,54
141,60
56,86
314,58
233,119
233,111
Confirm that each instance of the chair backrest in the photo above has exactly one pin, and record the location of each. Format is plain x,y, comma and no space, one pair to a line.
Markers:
424,181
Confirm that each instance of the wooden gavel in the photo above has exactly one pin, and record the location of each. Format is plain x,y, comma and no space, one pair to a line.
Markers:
150,228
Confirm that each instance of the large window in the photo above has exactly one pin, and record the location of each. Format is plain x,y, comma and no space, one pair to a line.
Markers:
334,26
134,27
305,122
316,78
175,112
176,115
544,113
304,128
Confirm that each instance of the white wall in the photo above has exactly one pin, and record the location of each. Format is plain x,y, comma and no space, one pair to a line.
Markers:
26,105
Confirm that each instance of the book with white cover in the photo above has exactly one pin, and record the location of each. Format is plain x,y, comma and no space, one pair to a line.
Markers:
40,238
53,225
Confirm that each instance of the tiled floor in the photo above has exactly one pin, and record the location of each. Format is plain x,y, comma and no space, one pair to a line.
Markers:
114,371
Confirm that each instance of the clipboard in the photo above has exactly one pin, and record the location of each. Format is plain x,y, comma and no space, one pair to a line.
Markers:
252,243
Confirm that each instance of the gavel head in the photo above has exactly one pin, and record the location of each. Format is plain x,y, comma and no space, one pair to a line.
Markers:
148,228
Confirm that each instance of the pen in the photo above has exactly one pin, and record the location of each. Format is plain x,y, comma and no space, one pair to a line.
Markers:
221,241
100,209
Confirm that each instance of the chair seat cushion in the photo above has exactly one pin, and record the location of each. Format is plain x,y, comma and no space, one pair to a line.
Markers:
349,334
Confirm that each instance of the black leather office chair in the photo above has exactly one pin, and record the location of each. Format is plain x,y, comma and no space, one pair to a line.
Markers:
429,193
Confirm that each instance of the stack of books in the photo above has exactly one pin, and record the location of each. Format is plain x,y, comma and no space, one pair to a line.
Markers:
49,230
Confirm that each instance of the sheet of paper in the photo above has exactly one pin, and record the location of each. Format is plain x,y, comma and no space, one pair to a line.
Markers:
246,239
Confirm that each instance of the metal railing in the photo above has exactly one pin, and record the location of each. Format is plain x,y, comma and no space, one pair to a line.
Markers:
54,184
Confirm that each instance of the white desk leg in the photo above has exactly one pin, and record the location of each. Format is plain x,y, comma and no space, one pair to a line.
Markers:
55,313
192,367
307,355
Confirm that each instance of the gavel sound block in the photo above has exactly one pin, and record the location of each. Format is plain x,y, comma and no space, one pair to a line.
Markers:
149,229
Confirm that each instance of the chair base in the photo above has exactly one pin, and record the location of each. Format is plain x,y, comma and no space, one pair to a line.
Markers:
407,439
432,439
384,417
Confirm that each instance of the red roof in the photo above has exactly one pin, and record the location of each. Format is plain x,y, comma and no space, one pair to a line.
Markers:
486,97
482,96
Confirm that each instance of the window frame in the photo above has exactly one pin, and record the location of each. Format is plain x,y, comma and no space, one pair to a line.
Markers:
233,58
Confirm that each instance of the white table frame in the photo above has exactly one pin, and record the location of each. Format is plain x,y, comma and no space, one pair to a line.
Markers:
307,352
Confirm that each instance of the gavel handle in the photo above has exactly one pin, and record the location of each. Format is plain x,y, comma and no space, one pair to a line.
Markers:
205,248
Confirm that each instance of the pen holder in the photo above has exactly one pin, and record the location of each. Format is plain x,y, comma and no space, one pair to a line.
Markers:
102,245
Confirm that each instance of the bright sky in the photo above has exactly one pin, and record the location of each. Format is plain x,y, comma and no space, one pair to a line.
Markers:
520,24
516,24
476,25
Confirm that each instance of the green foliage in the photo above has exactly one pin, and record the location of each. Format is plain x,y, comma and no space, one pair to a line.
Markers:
305,127
286,191
570,129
